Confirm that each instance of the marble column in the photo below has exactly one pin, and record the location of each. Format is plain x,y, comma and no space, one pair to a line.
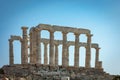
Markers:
38,46
31,49
25,46
11,54
56,54
52,57
97,58
67,62
64,49
88,52
45,53
22,55
76,57
34,47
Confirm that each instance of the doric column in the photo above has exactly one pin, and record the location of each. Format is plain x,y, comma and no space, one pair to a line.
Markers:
38,46
64,49
52,57
31,49
11,54
88,51
56,54
67,62
45,54
34,47
97,58
76,57
24,46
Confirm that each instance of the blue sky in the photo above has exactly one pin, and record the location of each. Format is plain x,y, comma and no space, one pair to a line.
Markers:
99,16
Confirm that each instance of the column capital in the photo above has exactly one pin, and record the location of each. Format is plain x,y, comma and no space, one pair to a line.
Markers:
85,47
77,33
51,31
37,29
68,45
30,34
56,44
10,40
89,35
21,40
98,48
64,32
45,43
24,28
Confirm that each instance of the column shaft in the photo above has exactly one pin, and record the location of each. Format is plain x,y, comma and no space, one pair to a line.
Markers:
76,57
51,61
45,54
67,56
11,54
24,46
38,46
88,52
56,54
64,49
31,49
97,58
34,47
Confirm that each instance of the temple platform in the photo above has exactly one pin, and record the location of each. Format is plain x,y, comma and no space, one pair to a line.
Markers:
47,72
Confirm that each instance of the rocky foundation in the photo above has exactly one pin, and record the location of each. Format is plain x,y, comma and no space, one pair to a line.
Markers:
47,72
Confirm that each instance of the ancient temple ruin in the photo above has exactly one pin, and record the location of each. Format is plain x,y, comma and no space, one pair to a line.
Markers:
35,40
32,67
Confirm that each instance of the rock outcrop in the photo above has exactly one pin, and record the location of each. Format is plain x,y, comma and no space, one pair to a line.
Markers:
46,72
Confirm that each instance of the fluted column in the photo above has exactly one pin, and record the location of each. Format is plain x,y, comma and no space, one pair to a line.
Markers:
38,46
97,58
31,49
11,54
24,46
64,49
52,57
34,47
88,51
76,57
67,62
45,54
56,54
